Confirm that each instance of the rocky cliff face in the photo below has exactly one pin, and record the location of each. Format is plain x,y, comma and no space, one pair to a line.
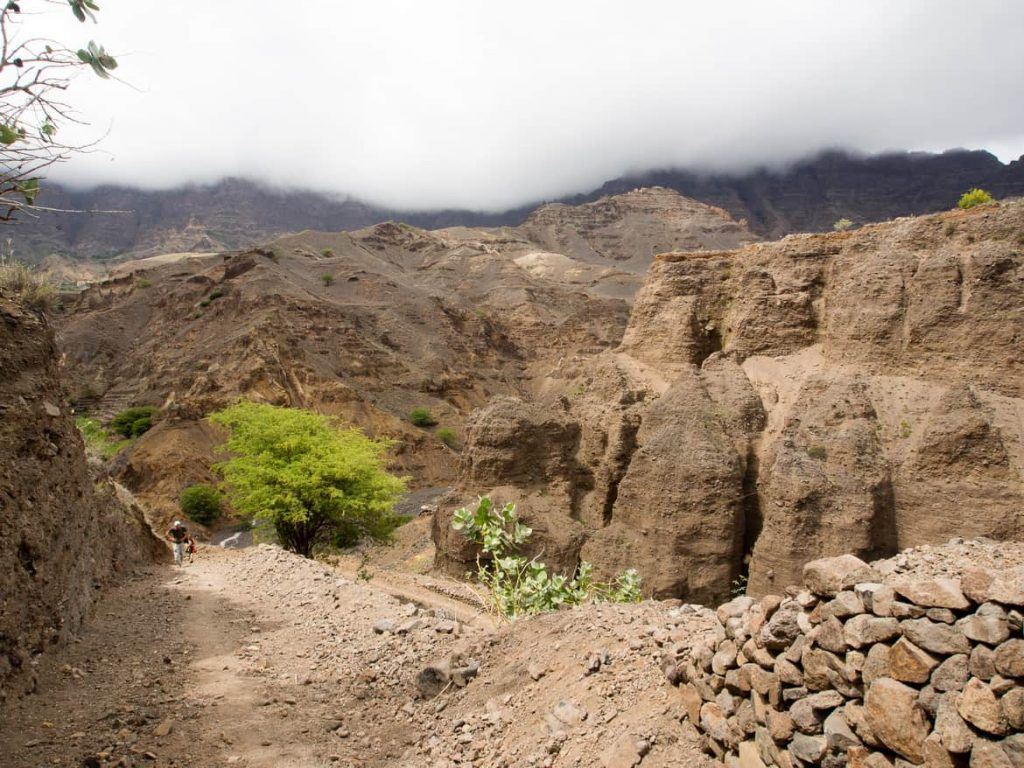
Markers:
61,535
852,392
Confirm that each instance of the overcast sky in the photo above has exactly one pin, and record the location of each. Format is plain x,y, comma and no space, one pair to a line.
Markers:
486,104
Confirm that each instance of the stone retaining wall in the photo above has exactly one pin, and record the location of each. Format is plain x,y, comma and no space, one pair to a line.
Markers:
851,670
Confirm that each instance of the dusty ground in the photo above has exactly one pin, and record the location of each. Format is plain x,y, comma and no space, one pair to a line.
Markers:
260,658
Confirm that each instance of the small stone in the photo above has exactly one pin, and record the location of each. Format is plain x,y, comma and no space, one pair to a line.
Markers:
805,718
164,728
941,615
568,713
984,586
936,755
956,736
845,604
910,664
838,733
830,636
989,754
934,593
828,576
1009,658
978,706
724,658
988,625
896,718
808,749
952,674
692,702
876,664
937,638
536,671
788,672
1013,708
780,725
906,610
622,754
782,628
865,629
983,662
877,598
750,756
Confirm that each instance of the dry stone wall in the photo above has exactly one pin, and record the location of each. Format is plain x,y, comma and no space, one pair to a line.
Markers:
864,668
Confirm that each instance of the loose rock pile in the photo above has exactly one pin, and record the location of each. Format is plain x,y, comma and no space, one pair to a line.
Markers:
864,669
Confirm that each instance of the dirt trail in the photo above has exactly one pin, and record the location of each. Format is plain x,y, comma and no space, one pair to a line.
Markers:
242,658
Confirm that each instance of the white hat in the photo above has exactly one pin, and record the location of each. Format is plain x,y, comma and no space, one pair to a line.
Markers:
177,523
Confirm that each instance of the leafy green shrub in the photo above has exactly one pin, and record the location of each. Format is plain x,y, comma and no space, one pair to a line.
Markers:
22,282
327,253
201,503
519,586
143,283
298,474
215,294
421,417
447,436
974,197
842,225
327,279
134,421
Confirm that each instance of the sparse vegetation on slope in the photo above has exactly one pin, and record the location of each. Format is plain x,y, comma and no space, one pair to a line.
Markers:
421,417
21,282
134,421
309,481
100,440
518,585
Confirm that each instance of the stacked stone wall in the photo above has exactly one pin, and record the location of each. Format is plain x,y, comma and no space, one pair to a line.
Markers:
858,670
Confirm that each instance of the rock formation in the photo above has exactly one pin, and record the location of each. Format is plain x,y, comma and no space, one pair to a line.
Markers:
365,325
852,392
61,538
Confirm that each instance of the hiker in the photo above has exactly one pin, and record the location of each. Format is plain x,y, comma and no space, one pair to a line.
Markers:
179,538
190,550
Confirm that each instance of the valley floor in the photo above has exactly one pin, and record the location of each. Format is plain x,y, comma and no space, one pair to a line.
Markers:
260,658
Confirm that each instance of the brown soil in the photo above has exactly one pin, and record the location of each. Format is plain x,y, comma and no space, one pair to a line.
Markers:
260,658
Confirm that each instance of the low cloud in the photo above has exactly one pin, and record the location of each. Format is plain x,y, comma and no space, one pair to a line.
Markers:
489,105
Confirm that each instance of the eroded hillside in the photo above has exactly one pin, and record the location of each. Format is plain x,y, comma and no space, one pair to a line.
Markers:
61,535
852,392
365,325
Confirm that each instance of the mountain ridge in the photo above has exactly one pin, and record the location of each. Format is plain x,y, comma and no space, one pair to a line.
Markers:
808,195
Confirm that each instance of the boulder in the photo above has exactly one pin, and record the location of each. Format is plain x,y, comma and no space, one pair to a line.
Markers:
895,717
937,638
910,664
1009,658
979,707
934,593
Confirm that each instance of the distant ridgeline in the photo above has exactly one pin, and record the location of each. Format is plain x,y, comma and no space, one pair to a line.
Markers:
807,196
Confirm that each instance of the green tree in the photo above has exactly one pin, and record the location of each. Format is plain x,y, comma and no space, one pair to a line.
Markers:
841,225
974,197
306,478
201,503
35,73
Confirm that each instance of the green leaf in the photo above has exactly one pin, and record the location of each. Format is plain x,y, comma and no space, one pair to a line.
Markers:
8,134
